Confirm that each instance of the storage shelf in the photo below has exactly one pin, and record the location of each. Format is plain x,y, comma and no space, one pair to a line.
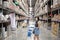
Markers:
20,19
51,20
55,21
13,10
5,21
40,14
52,14
53,9
45,3
7,9
43,19
10,10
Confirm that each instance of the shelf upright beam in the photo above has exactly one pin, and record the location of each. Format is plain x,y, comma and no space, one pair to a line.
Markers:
2,32
47,16
58,27
47,19
13,26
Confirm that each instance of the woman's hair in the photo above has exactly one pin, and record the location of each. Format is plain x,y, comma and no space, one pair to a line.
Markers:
36,24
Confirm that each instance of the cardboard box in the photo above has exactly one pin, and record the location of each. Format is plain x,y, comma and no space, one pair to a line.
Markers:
45,1
6,4
46,8
55,28
56,3
0,2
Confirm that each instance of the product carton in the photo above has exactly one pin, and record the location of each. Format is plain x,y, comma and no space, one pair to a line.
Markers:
56,3
55,28
46,8
6,4
59,17
41,4
45,1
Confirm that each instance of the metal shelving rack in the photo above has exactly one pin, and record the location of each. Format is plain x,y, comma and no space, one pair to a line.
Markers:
8,11
51,13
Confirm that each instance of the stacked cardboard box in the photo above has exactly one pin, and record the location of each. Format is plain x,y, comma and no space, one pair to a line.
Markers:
55,18
36,6
17,18
41,4
56,3
24,24
6,4
45,1
46,8
45,17
55,25
55,28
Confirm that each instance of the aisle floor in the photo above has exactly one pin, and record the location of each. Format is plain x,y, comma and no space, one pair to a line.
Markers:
44,35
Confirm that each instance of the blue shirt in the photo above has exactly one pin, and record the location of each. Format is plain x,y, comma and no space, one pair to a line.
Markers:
36,31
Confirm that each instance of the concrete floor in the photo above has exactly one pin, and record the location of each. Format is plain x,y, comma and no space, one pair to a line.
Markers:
22,35
44,34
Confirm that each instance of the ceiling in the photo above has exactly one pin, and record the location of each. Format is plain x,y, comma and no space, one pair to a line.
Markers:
25,4
31,3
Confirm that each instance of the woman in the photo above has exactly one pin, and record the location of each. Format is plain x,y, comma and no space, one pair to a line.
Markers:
36,31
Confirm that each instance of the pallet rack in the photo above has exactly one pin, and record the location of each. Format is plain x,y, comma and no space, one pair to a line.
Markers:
52,14
8,7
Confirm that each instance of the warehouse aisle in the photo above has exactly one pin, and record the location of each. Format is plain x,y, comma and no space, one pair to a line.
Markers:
22,34
44,35
16,15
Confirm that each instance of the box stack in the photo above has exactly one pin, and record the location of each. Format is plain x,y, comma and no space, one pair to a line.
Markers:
56,3
55,27
46,8
0,2
45,1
